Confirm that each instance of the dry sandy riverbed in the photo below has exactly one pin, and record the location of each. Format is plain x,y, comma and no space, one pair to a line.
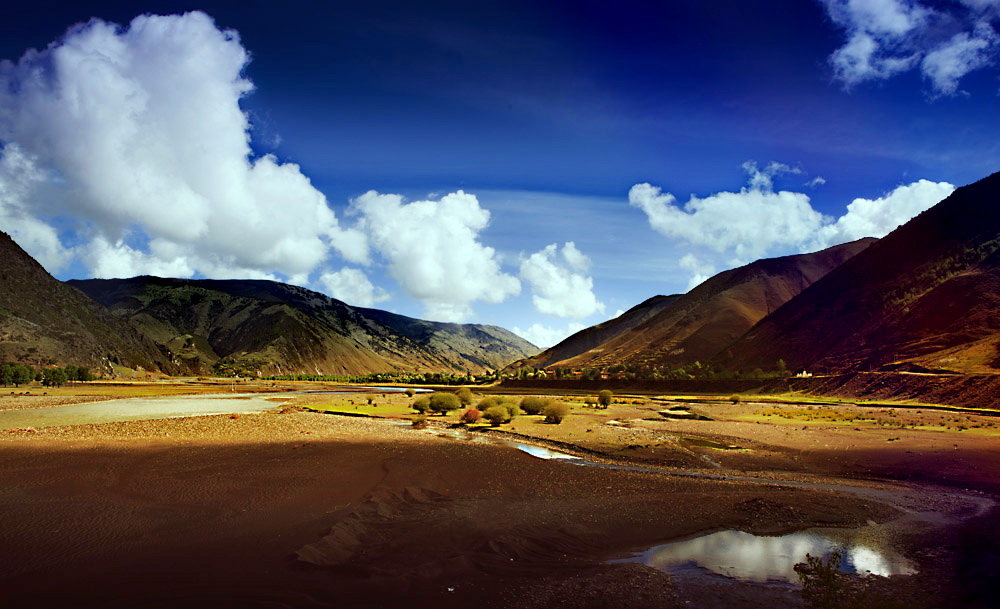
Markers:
310,510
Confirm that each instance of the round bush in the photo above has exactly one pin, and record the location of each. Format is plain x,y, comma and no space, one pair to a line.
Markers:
555,412
533,404
496,415
472,416
422,404
604,397
465,395
444,403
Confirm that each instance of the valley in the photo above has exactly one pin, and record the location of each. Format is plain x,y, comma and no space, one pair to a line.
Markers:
302,506
218,458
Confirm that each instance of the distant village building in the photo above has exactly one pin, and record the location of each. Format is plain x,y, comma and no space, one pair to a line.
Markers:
803,374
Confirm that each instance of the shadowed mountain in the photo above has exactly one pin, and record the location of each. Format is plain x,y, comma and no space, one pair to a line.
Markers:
46,322
698,325
926,296
285,329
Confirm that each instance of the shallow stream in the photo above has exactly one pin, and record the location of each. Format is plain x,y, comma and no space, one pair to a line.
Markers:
135,409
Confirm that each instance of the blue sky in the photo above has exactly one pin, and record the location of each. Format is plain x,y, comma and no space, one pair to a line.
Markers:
536,165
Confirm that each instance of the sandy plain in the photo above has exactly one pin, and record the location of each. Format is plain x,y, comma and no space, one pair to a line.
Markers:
301,509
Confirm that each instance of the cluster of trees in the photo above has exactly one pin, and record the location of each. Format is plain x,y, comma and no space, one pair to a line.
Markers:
244,366
648,372
19,374
495,409
404,378
16,374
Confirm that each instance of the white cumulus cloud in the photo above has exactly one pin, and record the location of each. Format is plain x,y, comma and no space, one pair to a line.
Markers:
140,138
543,336
945,41
878,217
748,223
700,271
433,251
353,287
732,228
559,282
18,176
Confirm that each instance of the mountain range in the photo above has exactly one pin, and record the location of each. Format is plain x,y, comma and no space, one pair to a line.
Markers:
180,326
677,330
926,297
285,329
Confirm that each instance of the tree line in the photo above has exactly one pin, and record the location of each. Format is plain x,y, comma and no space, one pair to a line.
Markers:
405,378
647,372
20,374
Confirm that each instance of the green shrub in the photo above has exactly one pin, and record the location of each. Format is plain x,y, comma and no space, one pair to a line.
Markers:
370,398
533,404
410,392
472,416
464,394
443,403
496,400
496,415
735,398
420,422
604,397
555,412
422,404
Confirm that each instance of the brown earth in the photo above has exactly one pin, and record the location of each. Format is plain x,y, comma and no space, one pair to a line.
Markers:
310,510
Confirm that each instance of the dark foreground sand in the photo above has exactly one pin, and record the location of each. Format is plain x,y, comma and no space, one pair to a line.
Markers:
308,510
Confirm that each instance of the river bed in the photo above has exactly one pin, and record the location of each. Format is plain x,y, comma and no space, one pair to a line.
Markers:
135,409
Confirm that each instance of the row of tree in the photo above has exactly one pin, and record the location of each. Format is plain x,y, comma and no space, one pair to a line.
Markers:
647,372
20,374
403,378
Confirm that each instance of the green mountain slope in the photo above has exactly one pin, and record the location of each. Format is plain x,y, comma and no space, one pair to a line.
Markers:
284,329
45,322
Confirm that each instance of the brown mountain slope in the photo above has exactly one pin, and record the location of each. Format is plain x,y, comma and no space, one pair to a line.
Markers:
699,324
283,329
594,336
926,295
45,322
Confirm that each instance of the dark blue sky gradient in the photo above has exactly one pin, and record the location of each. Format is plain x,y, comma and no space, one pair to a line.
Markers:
577,97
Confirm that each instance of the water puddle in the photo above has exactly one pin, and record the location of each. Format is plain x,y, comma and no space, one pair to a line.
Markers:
553,455
756,558
545,453
135,409
353,389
